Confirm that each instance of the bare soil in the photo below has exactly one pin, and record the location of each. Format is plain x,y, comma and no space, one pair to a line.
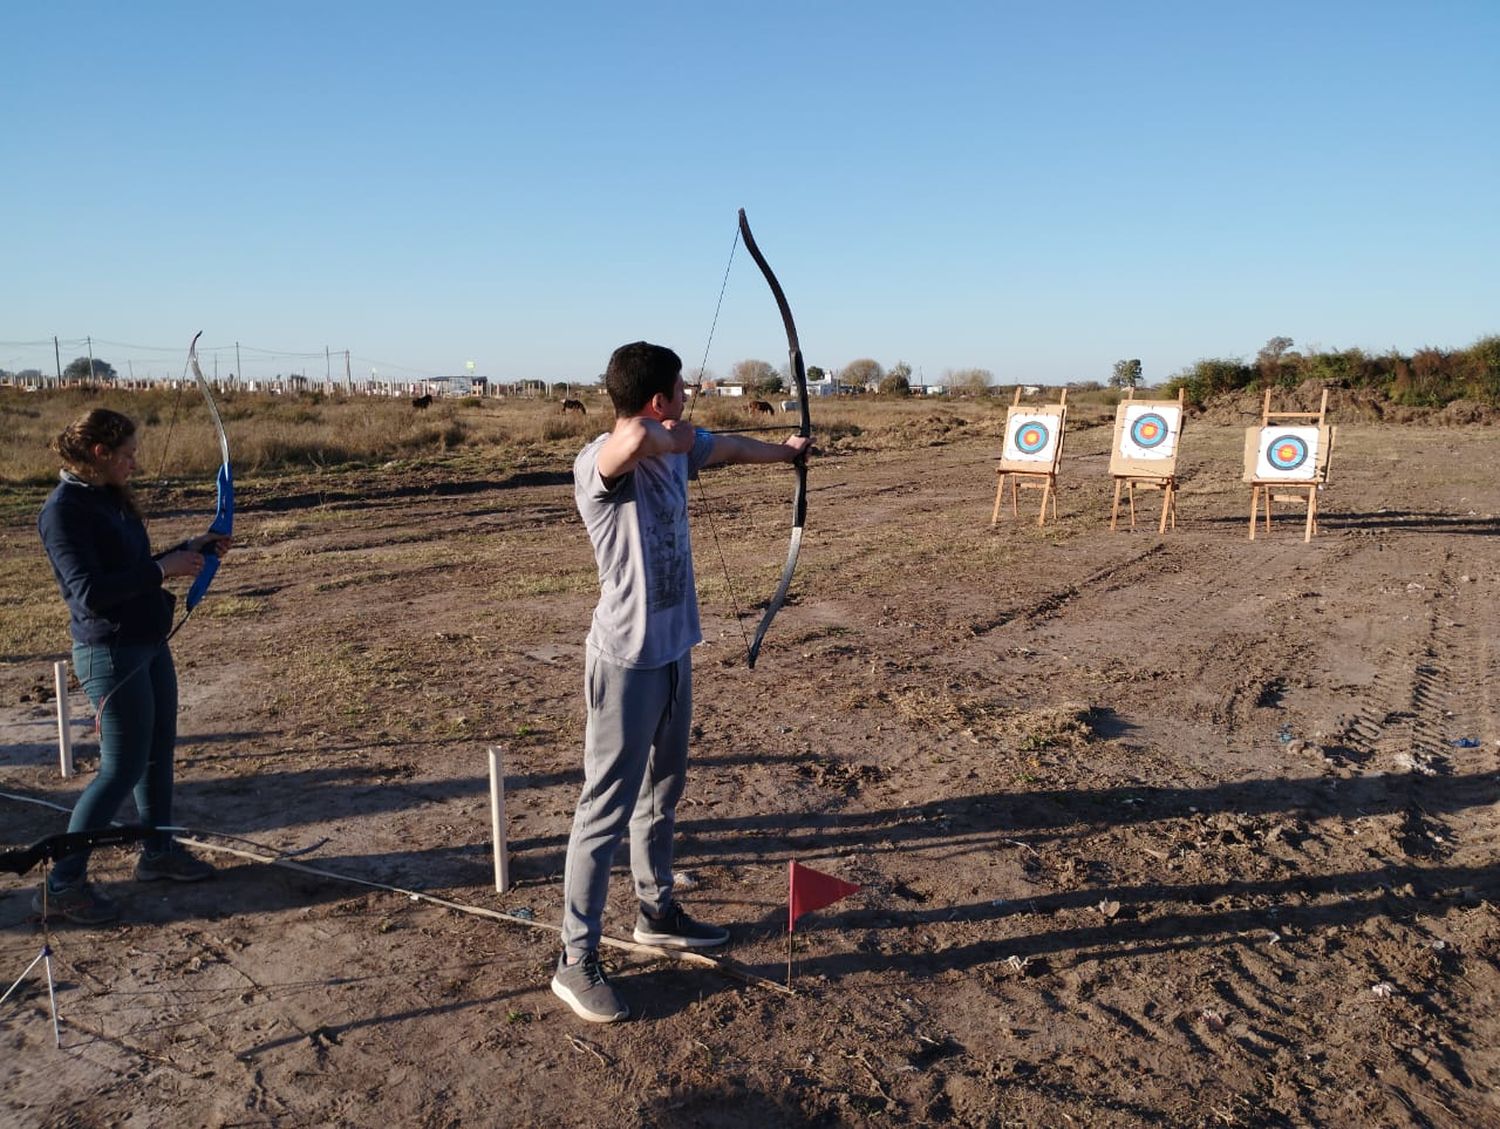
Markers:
1190,830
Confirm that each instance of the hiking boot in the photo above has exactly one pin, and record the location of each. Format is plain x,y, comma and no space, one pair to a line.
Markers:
674,929
585,989
174,863
79,903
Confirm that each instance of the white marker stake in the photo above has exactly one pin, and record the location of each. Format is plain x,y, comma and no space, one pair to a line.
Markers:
497,820
64,727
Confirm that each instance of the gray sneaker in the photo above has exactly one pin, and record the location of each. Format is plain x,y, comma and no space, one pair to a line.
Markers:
79,903
674,929
176,864
585,989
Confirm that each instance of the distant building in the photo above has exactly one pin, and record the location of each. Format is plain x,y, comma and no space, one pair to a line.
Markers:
722,388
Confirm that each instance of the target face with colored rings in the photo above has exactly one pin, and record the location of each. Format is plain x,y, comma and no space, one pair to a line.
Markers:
1287,453
1033,437
1149,431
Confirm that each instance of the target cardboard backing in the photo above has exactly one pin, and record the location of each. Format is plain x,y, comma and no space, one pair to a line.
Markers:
1146,439
1033,438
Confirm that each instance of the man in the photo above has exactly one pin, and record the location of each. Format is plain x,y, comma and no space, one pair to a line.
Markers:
631,490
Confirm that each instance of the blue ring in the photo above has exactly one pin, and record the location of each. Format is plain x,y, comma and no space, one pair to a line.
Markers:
1160,437
1039,444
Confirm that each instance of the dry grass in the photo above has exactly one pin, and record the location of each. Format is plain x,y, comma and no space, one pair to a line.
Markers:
270,434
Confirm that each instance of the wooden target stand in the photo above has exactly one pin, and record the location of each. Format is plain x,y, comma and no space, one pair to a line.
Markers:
1132,473
1302,491
1029,473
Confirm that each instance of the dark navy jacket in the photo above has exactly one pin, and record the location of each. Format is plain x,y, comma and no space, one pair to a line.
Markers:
102,559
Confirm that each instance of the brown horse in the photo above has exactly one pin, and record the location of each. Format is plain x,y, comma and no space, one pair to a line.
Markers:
422,402
574,406
760,408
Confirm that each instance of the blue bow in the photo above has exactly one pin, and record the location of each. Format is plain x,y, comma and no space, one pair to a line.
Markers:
223,523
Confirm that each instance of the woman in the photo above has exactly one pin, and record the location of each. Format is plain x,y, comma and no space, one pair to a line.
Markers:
121,616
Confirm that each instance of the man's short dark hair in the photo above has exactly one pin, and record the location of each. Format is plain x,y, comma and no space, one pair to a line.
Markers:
637,372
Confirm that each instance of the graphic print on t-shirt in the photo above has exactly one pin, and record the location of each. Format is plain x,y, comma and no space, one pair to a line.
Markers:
666,554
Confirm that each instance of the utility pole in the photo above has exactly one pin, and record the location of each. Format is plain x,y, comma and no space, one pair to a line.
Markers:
239,372
57,356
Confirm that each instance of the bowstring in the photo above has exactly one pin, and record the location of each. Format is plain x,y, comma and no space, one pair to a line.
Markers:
703,503
161,468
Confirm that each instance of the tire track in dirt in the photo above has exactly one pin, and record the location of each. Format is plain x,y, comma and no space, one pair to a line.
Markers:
1402,723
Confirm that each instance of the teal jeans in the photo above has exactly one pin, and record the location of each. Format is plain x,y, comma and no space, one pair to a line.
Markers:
137,738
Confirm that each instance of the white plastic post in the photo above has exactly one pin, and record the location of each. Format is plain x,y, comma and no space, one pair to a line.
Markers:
64,726
497,820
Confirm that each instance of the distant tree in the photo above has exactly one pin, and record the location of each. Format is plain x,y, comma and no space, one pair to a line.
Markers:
971,381
897,382
815,373
861,374
1271,361
1127,374
1273,350
757,376
78,369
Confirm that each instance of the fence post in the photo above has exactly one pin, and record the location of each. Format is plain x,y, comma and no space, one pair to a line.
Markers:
497,820
64,726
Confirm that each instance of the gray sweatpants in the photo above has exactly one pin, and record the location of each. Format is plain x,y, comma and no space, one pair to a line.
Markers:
635,750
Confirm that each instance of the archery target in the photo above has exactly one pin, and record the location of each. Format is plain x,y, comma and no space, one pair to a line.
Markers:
1150,431
1287,453
1030,438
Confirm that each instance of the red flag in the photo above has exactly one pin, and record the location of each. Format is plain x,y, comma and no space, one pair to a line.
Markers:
810,890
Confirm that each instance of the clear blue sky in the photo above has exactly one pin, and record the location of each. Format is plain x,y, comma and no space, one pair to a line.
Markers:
1034,189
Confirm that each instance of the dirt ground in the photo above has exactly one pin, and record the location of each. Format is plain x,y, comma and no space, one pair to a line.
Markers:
1190,830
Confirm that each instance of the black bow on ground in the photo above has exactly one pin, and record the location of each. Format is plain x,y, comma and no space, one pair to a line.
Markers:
21,859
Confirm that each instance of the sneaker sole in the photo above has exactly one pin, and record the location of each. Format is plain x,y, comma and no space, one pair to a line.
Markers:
567,997
673,941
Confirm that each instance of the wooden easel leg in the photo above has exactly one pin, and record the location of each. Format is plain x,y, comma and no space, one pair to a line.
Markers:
1312,510
999,497
1052,493
1130,491
1015,497
1041,518
1114,514
1166,509
1254,509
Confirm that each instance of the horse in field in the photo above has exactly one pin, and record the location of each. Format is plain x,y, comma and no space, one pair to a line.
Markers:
574,406
421,403
760,408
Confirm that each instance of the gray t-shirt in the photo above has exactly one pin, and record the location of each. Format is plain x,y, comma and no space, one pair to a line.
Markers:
647,614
